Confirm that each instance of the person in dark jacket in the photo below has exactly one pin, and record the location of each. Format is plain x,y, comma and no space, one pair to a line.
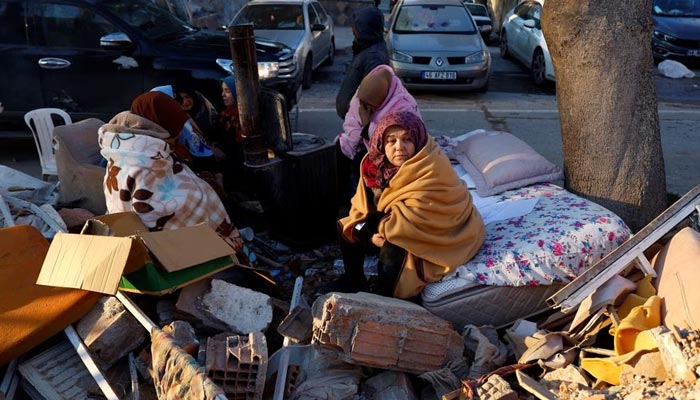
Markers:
368,49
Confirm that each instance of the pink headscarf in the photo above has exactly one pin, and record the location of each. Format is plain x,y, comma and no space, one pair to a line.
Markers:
377,170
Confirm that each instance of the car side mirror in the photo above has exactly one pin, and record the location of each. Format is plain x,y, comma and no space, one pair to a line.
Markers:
529,23
318,27
116,41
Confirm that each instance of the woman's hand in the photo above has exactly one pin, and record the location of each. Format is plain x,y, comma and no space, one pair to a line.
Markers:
378,240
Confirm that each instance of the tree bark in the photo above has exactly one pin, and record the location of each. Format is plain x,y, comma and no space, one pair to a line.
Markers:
606,97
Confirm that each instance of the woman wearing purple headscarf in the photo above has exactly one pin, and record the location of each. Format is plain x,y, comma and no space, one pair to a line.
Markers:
411,205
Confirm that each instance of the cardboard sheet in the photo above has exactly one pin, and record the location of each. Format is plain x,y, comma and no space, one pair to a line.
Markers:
88,262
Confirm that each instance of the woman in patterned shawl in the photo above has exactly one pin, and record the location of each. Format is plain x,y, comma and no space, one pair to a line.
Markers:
411,205
145,176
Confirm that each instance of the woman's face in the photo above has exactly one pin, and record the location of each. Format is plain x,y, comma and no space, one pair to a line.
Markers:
398,145
227,96
186,101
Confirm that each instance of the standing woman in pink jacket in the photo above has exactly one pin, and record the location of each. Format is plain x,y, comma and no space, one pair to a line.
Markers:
380,92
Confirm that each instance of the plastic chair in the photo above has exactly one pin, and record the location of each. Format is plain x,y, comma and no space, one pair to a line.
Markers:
41,124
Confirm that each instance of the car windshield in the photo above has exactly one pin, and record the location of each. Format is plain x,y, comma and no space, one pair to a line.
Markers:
154,22
433,19
272,16
477,10
677,8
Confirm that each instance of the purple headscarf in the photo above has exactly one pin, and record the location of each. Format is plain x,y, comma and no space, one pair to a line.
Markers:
377,170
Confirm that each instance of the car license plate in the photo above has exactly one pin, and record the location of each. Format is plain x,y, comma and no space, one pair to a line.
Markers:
695,53
444,75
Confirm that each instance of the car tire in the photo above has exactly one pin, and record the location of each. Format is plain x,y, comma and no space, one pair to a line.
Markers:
307,76
538,69
331,54
503,46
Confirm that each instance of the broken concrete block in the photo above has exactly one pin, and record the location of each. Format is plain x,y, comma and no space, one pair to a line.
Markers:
647,365
389,385
672,356
495,388
241,309
189,302
110,331
384,332
184,336
570,374
166,311
238,364
298,325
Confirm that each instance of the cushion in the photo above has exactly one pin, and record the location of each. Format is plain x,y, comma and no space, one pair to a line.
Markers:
498,161
678,269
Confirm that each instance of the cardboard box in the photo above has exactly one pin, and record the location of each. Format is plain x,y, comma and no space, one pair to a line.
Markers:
117,251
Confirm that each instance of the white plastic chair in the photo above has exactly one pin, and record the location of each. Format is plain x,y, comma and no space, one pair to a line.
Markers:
41,125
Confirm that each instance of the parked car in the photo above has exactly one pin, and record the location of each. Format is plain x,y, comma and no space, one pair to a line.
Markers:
303,25
676,32
434,44
93,57
522,39
482,18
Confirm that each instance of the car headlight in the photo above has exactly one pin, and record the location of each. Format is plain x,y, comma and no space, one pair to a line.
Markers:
267,70
401,57
477,57
664,37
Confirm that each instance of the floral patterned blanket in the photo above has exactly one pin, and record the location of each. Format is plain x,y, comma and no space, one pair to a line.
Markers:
560,238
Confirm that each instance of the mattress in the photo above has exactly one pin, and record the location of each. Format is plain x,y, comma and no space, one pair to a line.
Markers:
526,259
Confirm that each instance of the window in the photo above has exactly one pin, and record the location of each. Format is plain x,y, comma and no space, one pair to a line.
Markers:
62,25
522,10
435,19
272,17
321,11
535,13
313,16
12,23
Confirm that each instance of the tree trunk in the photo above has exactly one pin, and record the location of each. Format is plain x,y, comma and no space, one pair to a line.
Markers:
606,96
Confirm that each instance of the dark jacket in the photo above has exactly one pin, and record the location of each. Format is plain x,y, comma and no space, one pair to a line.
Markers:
369,51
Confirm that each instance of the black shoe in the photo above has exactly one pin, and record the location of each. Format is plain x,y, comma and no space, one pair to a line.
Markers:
346,284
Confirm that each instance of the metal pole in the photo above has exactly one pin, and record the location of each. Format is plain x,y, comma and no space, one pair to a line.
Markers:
245,67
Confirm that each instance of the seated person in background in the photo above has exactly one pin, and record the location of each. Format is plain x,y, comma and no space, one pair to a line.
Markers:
143,176
380,92
411,205
229,136
199,108
193,147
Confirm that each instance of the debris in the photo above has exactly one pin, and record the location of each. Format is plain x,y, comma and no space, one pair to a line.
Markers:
534,387
384,332
496,388
517,334
189,302
241,309
298,325
678,365
389,385
85,357
448,379
238,364
489,352
567,375
648,365
184,335
75,218
109,331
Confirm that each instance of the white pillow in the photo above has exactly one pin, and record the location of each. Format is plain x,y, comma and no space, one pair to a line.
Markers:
498,161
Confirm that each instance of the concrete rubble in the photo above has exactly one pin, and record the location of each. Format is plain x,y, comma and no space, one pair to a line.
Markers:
242,310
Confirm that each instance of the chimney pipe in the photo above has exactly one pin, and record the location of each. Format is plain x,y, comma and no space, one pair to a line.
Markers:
245,67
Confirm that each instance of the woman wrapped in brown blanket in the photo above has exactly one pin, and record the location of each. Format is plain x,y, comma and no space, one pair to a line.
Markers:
411,205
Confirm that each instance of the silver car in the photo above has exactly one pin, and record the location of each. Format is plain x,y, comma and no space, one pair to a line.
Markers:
303,25
523,40
434,44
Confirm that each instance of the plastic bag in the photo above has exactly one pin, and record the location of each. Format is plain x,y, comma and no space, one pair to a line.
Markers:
674,69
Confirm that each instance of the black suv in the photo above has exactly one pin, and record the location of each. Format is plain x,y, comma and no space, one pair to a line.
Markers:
93,57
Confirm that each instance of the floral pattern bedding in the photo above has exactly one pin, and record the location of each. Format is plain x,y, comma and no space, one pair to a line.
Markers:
562,236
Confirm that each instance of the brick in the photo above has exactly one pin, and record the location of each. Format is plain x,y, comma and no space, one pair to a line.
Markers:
184,336
495,388
238,364
242,310
389,385
383,332
110,331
